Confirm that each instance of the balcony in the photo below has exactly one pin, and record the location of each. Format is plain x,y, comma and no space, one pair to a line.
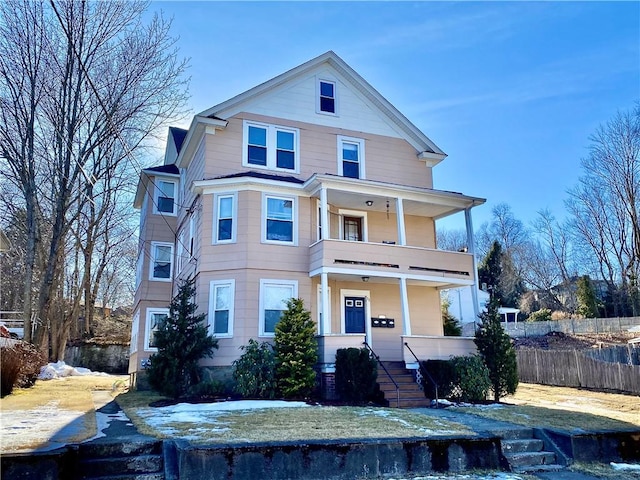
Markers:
390,260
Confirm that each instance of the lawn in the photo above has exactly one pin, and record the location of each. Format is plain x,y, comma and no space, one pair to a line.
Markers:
564,408
260,422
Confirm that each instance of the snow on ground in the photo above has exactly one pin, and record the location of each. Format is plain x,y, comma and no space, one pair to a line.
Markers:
470,476
205,415
626,466
61,369
24,429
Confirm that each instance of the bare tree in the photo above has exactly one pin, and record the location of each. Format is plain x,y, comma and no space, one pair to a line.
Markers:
605,207
83,85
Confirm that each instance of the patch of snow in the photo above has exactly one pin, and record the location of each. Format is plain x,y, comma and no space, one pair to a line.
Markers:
471,476
625,466
204,415
104,420
61,369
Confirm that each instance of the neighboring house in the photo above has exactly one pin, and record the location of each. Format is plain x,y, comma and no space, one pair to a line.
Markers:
310,185
461,304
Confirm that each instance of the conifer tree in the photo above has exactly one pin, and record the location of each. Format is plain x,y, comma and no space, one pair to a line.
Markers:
296,351
497,351
182,340
586,295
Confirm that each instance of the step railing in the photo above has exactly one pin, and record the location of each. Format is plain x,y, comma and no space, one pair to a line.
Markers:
424,372
385,371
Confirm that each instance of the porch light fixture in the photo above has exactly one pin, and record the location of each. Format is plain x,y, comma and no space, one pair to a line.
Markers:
365,279
369,203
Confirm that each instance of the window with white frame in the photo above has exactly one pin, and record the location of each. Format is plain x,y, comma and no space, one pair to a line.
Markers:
274,295
350,157
221,303
135,326
224,224
326,97
165,194
279,220
161,261
270,146
154,317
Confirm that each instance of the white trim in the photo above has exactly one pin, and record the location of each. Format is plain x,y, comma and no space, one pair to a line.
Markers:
156,196
147,326
271,146
367,311
266,282
213,285
181,257
294,219
135,330
243,184
353,213
152,261
341,139
216,217
355,272
319,319
333,82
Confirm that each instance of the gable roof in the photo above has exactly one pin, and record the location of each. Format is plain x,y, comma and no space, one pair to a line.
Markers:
214,117
178,134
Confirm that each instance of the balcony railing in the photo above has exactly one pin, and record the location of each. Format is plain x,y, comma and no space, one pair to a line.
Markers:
390,258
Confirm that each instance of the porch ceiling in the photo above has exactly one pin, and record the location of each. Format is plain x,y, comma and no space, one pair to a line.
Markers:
357,201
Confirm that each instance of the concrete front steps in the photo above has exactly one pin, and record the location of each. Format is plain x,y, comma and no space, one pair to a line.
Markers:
410,393
525,453
122,460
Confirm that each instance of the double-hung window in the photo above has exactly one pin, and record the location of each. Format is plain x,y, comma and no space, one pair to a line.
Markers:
279,220
224,224
165,194
161,261
351,157
326,96
274,295
221,303
154,317
271,147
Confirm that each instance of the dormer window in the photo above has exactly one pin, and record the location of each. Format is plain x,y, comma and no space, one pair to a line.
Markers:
271,147
327,97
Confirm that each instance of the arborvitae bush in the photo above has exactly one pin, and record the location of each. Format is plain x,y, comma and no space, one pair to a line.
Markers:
296,350
182,340
542,315
255,371
356,375
497,352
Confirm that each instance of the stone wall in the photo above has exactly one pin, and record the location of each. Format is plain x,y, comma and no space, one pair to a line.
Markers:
99,358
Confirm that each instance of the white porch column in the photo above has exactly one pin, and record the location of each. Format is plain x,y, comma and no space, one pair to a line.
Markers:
471,248
325,327
404,300
402,236
324,214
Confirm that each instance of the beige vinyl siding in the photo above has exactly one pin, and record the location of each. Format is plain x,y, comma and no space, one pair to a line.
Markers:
387,159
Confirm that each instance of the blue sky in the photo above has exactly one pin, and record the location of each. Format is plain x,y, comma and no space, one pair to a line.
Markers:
510,91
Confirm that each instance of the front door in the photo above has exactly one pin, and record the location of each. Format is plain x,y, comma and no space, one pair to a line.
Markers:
353,229
354,315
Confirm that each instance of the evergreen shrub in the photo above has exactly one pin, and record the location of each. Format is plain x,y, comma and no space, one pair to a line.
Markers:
356,375
471,378
255,371
182,340
296,350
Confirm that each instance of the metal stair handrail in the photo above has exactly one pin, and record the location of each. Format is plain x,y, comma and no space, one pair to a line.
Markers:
424,373
385,371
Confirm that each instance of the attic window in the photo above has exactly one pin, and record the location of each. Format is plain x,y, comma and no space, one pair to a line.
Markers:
327,97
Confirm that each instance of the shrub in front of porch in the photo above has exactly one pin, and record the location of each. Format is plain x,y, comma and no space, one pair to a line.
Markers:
255,371
462,379
356,375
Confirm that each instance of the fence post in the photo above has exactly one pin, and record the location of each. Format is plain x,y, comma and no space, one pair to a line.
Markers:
578,368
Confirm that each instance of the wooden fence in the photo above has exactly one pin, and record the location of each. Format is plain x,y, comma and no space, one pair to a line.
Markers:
572,368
